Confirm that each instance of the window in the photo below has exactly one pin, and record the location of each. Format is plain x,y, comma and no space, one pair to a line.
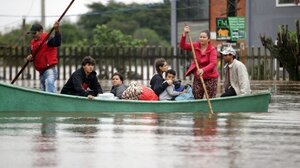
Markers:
283,3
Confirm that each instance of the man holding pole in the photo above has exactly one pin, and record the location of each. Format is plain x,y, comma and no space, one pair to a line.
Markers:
44,55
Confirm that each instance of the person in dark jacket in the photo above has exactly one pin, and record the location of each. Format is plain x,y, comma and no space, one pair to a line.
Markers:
83,82
44,57
157,81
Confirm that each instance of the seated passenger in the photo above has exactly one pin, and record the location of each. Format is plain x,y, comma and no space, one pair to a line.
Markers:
157,81
236,76
170,93
83,82
118,86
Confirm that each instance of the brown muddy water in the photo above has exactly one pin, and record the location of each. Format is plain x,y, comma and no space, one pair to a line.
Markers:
166,140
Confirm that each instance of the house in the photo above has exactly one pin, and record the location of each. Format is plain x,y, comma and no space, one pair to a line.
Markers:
265,17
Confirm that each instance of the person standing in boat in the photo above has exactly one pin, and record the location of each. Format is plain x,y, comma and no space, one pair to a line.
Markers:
206,56
157,81
84,81
236,75
45,60
118,86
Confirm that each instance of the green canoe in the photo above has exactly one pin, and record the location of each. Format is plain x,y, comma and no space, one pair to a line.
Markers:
18,99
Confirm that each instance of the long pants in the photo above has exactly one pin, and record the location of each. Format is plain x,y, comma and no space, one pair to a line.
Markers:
211,87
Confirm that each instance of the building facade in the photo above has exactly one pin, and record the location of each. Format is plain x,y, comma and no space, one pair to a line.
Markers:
266,16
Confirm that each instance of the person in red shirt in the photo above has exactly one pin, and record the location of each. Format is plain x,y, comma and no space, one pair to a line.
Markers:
45,58
206,56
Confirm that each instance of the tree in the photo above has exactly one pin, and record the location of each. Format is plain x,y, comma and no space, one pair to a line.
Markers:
128,18
103,36
151,36
16,37
287,49
71,34
127,28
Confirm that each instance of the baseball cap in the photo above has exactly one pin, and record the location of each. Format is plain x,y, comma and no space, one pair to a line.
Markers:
35,27
228,50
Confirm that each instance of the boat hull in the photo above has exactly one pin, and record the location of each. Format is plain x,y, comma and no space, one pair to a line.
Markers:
18,99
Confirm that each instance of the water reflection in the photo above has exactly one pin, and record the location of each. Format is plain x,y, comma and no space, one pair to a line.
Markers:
205,125
45,144
84,126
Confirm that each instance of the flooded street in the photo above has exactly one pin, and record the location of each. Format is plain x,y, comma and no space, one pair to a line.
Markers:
167,140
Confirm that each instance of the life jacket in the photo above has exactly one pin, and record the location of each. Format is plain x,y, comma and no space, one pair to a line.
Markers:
46,56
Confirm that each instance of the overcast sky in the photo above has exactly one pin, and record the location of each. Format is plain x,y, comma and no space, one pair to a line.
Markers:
13,11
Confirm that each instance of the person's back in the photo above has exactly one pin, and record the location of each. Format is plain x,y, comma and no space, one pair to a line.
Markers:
83,82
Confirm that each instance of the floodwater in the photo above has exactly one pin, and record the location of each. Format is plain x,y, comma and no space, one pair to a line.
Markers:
166,140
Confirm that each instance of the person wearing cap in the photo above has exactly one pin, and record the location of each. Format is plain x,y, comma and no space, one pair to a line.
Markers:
44,58
84,81
236,76
206,55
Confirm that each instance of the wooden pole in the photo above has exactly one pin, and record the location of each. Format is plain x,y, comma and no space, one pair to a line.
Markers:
202,81
39,47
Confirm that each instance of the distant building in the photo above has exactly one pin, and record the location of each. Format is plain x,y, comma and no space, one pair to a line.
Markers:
261,16
265,17
194,13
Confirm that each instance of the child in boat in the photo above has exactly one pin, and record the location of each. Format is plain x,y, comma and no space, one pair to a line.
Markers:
170,93
157,81
118,86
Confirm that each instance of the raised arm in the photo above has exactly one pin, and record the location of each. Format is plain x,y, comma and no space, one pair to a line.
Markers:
56,40
183,44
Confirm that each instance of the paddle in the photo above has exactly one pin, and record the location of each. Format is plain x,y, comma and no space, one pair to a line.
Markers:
198,68
40,46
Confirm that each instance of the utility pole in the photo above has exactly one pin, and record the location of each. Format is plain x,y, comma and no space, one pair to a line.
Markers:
174,28
43,13
24,31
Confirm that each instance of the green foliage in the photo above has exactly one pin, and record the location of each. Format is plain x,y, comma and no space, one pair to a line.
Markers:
71,34
133,25
128,18
125,28
151,36
16,37
103,36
